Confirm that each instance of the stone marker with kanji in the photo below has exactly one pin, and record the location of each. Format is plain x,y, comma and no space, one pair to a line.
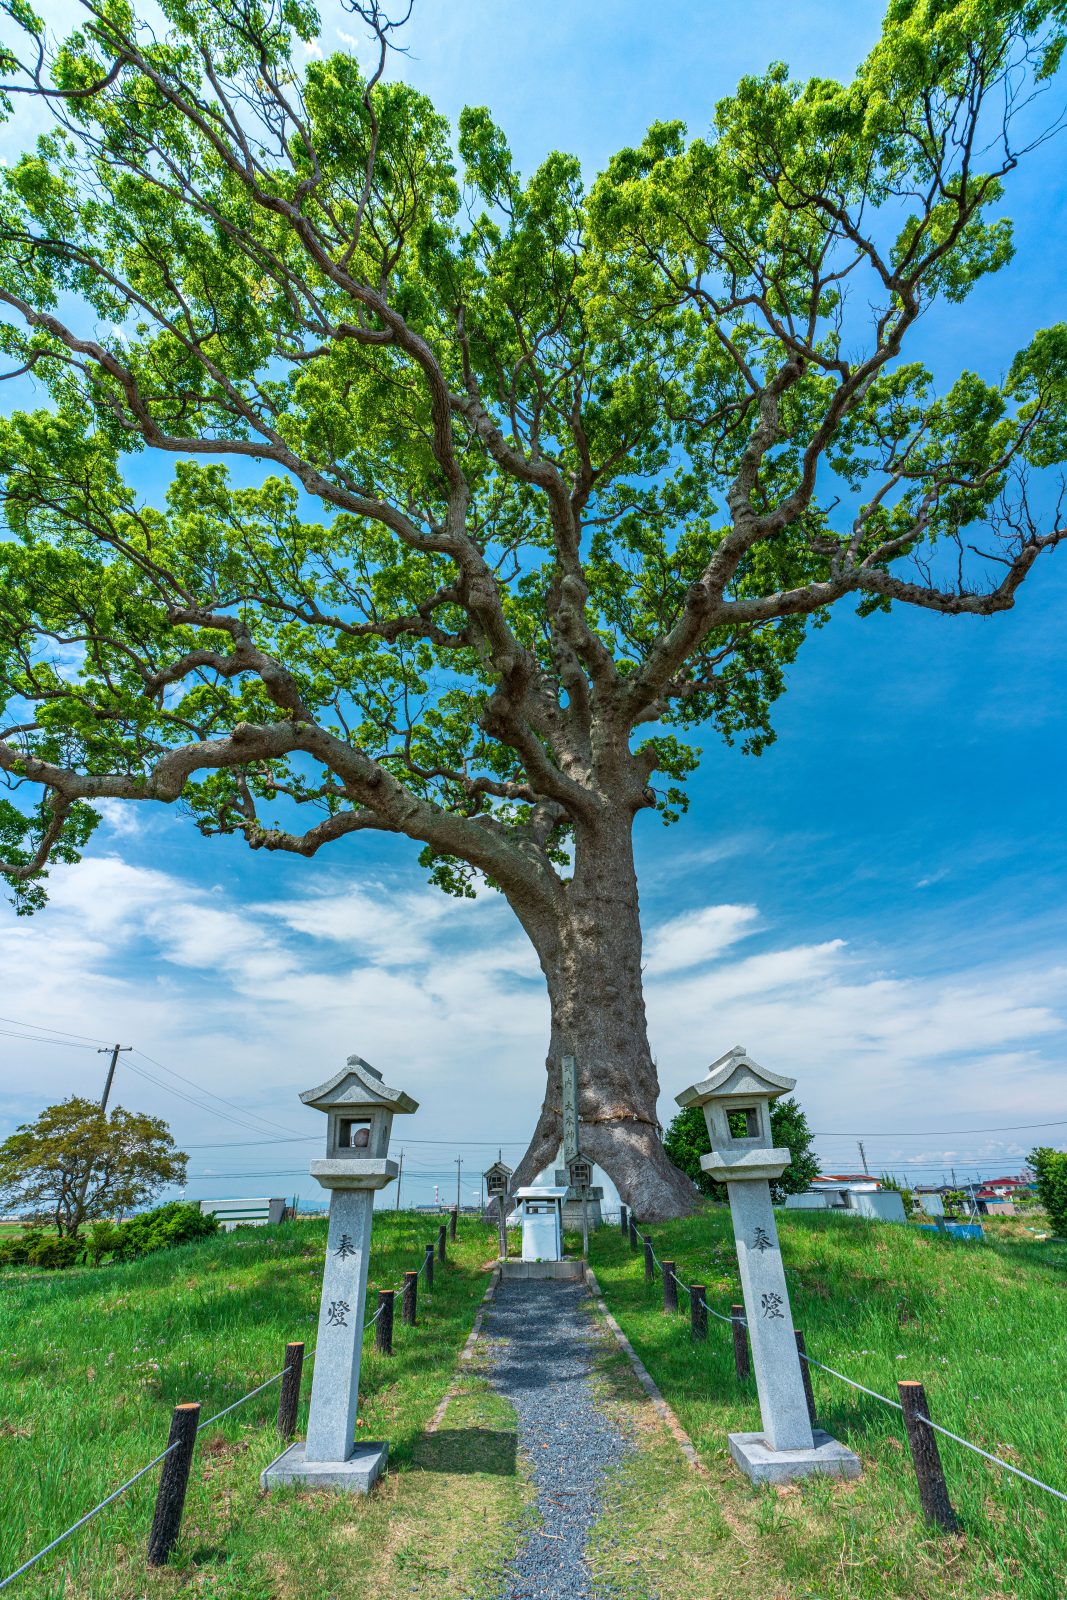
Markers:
359,1108
736,1097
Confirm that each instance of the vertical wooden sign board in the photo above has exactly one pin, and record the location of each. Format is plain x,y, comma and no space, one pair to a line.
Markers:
570,1109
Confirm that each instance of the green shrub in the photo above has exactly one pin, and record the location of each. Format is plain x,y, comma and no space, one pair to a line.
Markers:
1051,1169
175,1223
53,1253
15,1251
103,1239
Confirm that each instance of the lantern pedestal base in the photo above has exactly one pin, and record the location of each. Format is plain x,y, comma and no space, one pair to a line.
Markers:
763,1465
573,1270
357,1475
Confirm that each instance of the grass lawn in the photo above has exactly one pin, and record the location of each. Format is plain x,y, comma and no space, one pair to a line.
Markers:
984,1327
95,1360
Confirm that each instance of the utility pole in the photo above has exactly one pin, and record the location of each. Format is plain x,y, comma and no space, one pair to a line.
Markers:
863,1157
399,1175
459,1173
115,1051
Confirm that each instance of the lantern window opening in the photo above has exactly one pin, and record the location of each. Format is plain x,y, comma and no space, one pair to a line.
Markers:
744,1122
355,1133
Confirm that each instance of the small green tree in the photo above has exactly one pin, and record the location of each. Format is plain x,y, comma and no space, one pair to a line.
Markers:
1050,1167
76,1163
687,1140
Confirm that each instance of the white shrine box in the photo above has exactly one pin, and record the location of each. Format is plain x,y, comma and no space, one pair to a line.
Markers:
541,1219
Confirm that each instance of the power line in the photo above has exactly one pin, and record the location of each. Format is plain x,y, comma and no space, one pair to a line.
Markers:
314,1138
249,1118
945,1133
35,1038
267,1121
88,1037
193,1100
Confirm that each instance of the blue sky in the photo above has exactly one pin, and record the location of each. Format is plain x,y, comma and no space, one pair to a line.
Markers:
876,905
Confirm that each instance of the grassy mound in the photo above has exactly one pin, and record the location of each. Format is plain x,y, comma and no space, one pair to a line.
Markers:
96,1358
983,1326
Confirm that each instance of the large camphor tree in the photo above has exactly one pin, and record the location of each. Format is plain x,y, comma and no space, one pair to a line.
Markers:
485,490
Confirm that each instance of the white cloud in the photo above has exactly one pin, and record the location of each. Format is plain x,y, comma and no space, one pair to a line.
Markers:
696,937
312,48
260,1000
120,819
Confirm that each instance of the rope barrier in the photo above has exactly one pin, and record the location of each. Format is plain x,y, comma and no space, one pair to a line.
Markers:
88,1517
834,1374
258,1390
728,1320
165,1453
996,1461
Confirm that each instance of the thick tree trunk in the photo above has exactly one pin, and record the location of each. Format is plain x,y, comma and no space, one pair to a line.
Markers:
591,956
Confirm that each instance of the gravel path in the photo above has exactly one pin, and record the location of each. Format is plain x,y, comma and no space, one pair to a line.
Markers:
540,1358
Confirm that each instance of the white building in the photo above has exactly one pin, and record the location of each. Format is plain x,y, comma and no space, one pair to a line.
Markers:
858,1197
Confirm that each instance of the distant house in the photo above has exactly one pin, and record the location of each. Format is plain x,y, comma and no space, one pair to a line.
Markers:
994,1202
1007,1188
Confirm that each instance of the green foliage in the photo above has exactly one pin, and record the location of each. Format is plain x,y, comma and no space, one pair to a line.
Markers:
1050,1169
16,1248
531,481
687,1139
34,1248
54,1252
175,1223
74,1163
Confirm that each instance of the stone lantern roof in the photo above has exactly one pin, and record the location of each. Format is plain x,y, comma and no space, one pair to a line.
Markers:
736,1075
358,1086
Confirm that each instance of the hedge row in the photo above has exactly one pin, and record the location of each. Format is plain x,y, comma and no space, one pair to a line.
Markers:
175,1223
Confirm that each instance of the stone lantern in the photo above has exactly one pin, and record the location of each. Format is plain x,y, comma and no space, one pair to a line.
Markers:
736,1098
359,1110
580,1173
497,1184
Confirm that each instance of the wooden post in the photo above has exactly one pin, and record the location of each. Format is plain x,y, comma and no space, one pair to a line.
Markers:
427,1268
737,1317
502,1224
383,1328
624,1221
409,1304
632,1228
805,1373
926,1458
698,1312
289,1396
650,1260
670,1287
453,1218
173,1482
442,1235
